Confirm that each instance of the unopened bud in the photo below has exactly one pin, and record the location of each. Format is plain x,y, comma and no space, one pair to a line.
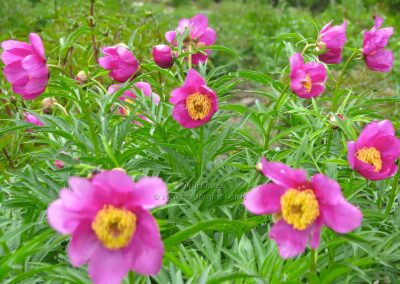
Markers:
48,103
333,119
162,55
81,77
259,167
59,164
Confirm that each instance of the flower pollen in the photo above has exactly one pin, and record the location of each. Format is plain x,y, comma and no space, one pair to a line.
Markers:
198,105
299,208
371,156
114,227
307,83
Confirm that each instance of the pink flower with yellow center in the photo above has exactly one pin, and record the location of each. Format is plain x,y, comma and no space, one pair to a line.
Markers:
26,67
307,80
195,103
332,39
300,207
111,227
375,152
375,40
200,35
120,61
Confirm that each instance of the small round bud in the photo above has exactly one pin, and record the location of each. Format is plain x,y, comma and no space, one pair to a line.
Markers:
162,55
259,167
48,103
81,77
59,164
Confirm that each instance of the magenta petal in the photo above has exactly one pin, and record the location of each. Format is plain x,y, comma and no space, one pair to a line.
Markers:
283,175
194,80
290,242
326,190
108,267
82,245
146,246
149,192
296,60
316,233
380,61
351,153
170,37
199,57
60,218
37,44
13,44
180,114
374,129
115,180
208,37
264,199
342,217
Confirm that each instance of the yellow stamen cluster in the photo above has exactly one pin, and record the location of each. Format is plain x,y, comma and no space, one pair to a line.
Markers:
299,208
126,109
307,83
114,227
198,105
370,155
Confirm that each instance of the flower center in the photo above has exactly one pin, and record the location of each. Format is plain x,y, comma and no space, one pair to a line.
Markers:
114,227
299,208
198,105
370,155
126,109
307,83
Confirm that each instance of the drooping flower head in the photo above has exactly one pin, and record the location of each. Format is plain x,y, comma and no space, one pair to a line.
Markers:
301,207
332,39
195,103
30,118
59,164
162,55
130,96
111,227
307,80
200,35
375,152
26,67
120,61
376,56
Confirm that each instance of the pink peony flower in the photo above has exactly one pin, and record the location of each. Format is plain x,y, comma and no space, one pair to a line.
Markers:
111,227
59,164
30,118
195,103
301,207
307,80
120,61
376,56
332,38
26,67
375,152
162,55
200,35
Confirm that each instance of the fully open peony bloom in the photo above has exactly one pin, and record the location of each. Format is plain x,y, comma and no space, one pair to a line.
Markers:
195,103
30,118
26,67
307,80
302,207
162,55
332,39
376,56
111,227
200,35
375,152
120,61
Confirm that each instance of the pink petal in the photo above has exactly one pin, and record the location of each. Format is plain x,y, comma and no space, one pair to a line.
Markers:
194,80
198,58
373,130
290,242
316,233
351,153
283,175
149,192
61,219
296,61
82,245
14,44
264,199
170,37
326,190
180,114
144,87
108,266
37,44
115,180
341,217
380,61
209,37
146,245
35,66
316,90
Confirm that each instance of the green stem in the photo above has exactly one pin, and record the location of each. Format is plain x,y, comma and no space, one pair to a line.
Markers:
339,81
307,46
274,115
62,108
313,261
190,56
393,194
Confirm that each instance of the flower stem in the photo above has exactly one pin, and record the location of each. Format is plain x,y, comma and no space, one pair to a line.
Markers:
313,278
62,108
393,194
274,115
190,56
339,81
91,25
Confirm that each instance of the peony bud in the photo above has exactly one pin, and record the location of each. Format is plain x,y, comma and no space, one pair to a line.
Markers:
259,167
81,77
162,55
59,164
48,103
